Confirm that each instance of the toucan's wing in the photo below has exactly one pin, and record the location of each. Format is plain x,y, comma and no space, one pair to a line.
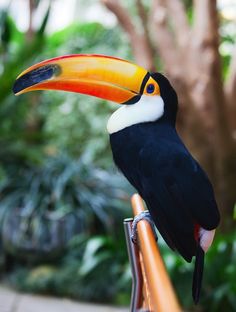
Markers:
199,195
178,194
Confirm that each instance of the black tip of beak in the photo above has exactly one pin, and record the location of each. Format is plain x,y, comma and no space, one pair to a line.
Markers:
35,76
133,100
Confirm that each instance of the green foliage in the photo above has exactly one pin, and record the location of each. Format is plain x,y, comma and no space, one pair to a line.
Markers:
221,274
55,146
20,123
80,273
43,207
79,112
92,269
227,41
218,289
88,38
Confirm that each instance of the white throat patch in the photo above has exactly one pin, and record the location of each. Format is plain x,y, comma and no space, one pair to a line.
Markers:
147,109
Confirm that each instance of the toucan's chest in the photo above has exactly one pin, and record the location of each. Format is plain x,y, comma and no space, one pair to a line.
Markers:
128,143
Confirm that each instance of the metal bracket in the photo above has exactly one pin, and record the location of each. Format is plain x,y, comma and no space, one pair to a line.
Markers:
137,284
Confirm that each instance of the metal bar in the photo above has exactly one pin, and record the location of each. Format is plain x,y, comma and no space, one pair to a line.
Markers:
162,293
136,295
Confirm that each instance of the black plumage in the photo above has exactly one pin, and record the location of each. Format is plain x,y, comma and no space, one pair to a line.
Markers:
176,190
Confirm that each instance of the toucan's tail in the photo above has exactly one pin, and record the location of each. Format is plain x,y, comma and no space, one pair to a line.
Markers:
198,273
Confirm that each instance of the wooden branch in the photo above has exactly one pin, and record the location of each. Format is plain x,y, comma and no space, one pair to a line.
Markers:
204,42
139,43
179,19
164,40
30,31
144,18
122,15
206,23
207,68
142,15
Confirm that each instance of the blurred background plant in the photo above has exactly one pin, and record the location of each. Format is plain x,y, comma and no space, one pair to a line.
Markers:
62,202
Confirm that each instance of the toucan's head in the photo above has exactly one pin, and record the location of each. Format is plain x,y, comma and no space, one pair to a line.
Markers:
146,96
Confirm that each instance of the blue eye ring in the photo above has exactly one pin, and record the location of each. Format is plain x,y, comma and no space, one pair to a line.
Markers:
150,88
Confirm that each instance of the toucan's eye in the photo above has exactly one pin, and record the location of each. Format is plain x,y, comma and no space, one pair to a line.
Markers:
150,88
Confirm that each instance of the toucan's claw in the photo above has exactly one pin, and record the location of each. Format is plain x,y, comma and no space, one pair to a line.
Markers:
144,215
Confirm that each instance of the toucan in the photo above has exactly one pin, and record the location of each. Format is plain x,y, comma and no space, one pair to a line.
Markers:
145,145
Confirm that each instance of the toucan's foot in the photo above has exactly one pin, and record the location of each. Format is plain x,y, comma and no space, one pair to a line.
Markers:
144,215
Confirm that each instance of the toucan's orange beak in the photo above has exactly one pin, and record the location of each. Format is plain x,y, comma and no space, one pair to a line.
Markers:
101,76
